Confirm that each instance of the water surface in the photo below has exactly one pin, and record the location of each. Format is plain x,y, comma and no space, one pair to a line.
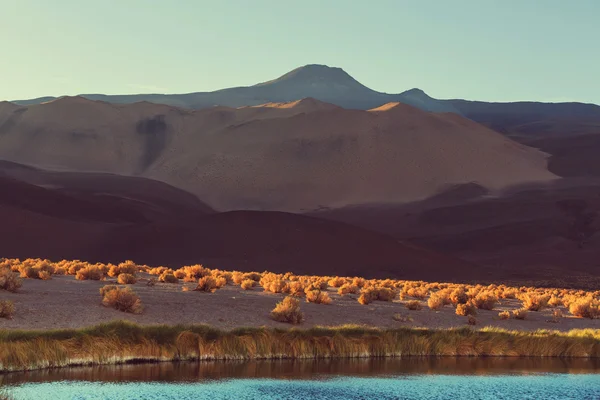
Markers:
414,378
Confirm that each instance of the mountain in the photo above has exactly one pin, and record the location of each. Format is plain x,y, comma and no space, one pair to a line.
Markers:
328,84
526,120
293,156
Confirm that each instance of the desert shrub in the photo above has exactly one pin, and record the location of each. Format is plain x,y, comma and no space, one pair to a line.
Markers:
36,269
587,307
504,315
247,284
220,281
9,280
44,275
370,294
360,282
555,301
336,282
206,284
193,273
89,272
485,301
435,301
157,270
295,289
288,310
7,309
459,296
107,288
365,298
237,278
414,305
60,271
127,267
126,279
471,320
275,285
521,313
347,288
419,293
255,276
168,277
179,274
121,299
318,297
534,301
466,309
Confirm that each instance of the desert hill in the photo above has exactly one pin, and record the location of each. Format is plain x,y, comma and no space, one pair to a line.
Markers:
288,157
549,232
48,223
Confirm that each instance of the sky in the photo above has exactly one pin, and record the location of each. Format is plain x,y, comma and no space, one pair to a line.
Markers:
507,50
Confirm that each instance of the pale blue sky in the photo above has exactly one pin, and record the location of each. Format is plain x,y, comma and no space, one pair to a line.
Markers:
504,50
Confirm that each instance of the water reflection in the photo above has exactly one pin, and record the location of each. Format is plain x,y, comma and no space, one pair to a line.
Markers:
306,370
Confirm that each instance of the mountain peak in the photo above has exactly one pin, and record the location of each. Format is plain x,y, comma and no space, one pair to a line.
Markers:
315,74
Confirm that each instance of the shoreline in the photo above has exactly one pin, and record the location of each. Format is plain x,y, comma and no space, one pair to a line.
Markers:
122,342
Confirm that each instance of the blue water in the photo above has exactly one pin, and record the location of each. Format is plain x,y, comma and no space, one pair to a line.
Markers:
535,386
412,378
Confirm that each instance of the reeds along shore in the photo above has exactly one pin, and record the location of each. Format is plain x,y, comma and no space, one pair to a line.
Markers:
124,342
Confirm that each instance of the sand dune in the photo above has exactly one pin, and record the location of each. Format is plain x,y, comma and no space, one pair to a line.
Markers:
295,156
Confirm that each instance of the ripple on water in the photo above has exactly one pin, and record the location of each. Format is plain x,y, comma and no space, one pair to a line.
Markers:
547,386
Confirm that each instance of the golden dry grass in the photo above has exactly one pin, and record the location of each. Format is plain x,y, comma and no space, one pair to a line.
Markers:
119,342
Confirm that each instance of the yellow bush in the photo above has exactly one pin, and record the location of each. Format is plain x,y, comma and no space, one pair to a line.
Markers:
348,288
126,279
337,282
168,277
485,301
414,305
121,299
127,267
207,284
520,313
466,309
247,284
318,297
89,272
586,308
534,301
7,309
504,315
9,280
288,310
435,301
459,296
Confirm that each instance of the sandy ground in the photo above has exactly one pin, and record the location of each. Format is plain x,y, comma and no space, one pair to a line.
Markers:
64,302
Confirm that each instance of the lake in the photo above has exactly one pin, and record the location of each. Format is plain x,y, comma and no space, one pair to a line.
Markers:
413,378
